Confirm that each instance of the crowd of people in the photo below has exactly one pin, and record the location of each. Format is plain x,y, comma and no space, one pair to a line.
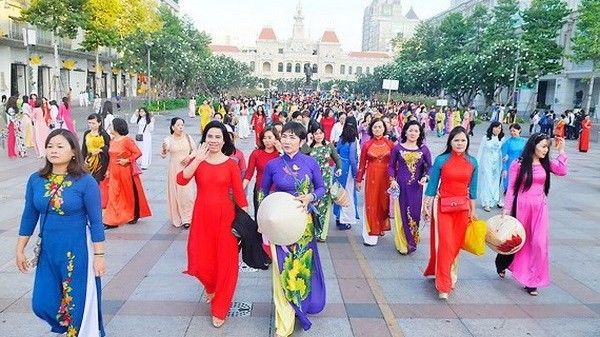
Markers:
305,144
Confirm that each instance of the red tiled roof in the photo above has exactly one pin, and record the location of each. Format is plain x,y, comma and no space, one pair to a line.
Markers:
267,34
216,48
329,36
376,55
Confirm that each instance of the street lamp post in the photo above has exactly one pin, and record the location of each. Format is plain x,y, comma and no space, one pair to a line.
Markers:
149,45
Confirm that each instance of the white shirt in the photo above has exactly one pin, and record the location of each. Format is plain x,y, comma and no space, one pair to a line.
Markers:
336,132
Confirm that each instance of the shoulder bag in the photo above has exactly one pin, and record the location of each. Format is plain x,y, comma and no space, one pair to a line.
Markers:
140,136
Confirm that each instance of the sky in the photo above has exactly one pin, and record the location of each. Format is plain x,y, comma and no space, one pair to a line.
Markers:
238,22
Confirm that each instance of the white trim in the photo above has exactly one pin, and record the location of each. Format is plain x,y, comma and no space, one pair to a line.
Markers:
90,326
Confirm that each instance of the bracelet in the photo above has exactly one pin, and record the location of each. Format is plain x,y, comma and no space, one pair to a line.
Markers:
99,254
314,197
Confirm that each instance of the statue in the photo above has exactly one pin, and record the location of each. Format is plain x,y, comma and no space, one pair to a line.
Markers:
308,72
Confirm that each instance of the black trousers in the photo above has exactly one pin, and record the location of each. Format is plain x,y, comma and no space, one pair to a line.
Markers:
503,262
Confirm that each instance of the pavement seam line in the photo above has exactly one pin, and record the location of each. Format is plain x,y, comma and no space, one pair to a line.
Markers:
386,311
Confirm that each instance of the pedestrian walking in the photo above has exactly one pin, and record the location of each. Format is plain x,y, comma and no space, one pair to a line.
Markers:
323,152
268,149
584,137
126,200
450,205
297,174
526,199
212,248
375,157
409,172
70,249
489,158
179,147
143,136
347,149
511,151
95,147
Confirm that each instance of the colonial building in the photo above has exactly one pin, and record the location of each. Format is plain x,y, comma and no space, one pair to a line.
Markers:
30,67
561,91
275,58
382,21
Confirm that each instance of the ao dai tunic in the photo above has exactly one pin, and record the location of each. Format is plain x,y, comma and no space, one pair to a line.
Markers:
180,199
530,266
408,167
511,148
489,159
64,279
374,159
452,174
298,175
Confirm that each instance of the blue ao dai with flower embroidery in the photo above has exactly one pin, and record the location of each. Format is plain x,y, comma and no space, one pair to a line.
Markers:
64,272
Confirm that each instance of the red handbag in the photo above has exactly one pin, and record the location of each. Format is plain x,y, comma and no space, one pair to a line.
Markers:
454,204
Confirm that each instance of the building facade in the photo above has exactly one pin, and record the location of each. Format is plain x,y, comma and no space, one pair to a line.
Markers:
274,58
383,20
558,92
27,68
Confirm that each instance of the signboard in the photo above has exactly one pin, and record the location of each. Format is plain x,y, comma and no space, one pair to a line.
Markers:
442,102
391,84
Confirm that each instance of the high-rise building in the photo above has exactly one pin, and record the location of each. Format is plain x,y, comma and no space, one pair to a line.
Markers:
383,20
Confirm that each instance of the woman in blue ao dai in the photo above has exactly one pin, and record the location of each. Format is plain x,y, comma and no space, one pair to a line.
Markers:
298,263
489,158
66,200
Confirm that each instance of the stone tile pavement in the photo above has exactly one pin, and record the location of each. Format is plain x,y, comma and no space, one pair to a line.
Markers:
372,291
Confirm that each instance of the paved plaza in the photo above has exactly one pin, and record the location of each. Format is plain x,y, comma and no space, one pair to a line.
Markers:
371,291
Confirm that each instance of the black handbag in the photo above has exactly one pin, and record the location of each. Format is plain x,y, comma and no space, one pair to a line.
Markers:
249,240
140,136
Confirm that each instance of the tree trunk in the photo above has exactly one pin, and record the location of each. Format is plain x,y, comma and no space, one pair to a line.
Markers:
588,105
54,91
97,71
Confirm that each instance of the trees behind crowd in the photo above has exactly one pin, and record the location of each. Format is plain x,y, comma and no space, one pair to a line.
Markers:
181,61
480,53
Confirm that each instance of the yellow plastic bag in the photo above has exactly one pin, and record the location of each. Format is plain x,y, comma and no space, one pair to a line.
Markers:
475,237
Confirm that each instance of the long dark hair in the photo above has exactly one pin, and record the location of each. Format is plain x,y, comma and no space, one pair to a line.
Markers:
405,130
76,167
349,131
147,115
457,130
65,101
228,147
314,127
107,108
12,103
490,133
525,176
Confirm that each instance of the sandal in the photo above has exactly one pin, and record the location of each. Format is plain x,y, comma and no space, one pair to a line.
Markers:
344,226
209,297
217,323
502,274
531,291
186,225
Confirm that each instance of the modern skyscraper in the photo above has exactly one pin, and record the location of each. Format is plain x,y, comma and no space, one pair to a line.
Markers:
382,21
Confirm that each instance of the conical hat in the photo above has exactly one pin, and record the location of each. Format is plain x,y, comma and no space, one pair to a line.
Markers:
339,195
505,234
281,218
